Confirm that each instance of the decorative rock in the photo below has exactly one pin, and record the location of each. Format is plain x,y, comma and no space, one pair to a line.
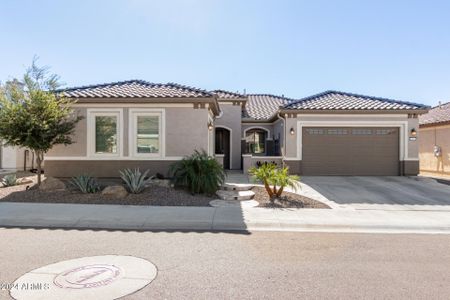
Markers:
52,184
162,182
116,191
235,195
237,186
24,181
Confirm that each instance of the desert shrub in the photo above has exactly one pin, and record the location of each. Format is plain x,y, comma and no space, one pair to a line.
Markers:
85,184
9,180
199,173
134,180
274,179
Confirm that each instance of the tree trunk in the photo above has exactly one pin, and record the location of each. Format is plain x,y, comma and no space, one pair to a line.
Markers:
268,190
39,159
280,191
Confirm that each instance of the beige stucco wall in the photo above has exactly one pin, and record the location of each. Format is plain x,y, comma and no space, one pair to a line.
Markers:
231,120
186,130
429,137
78,148
410,147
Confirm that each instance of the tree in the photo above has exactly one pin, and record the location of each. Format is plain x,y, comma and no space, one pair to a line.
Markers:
270,175
34,115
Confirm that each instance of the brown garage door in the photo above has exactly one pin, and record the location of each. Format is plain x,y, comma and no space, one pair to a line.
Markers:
350,151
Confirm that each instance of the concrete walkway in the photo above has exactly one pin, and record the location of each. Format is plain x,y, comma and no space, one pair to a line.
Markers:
118,217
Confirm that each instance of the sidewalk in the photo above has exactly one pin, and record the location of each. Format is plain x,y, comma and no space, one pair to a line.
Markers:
118,217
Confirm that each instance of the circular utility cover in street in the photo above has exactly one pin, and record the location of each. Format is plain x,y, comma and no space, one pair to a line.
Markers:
97,277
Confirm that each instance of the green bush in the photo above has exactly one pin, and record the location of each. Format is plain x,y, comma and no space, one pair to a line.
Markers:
9,180
85,184
199,173
134,180
270,175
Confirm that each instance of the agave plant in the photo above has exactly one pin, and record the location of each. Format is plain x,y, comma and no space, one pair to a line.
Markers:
85,184
9,180
275,179
135,180
200,173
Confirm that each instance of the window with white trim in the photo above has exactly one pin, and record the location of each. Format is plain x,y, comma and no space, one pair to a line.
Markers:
104,133
146,133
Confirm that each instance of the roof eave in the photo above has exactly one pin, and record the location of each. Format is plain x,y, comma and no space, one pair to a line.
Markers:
232,99
435,124
354,111
214,105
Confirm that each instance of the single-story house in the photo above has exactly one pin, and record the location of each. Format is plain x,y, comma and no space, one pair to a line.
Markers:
434,145
15,159
139,124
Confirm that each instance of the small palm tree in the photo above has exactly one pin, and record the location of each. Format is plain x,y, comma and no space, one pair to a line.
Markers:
278,178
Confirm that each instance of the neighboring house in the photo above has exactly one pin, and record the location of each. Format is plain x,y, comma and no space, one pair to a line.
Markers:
140,124
435,141
15,159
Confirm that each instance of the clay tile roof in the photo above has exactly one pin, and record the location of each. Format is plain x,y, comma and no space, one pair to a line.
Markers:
334,100
135,89
438,114
228,95
263,106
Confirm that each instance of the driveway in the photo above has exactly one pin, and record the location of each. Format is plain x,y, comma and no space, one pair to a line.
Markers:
366,192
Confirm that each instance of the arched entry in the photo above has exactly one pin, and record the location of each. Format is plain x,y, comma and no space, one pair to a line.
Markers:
223,145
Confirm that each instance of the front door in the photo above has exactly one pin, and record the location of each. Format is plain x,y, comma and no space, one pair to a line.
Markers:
223,145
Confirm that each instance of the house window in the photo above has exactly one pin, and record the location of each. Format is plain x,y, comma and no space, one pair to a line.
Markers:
147,135
255,140
106,134
104,137
146,132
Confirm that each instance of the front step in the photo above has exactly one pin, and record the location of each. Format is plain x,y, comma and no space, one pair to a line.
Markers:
235,195
236,186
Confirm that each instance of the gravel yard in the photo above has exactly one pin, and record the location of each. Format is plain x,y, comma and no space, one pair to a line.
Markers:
153,195
288,200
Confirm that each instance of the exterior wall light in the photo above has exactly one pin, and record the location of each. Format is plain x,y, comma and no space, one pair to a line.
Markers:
292,131
210,126
413,132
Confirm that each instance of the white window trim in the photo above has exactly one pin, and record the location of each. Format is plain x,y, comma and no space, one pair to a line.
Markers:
132,134
257,127
91,114
268,138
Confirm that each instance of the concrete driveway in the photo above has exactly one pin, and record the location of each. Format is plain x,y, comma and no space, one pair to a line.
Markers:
366,192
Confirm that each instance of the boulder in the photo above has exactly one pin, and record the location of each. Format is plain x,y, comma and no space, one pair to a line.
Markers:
52,184
116,191
162,182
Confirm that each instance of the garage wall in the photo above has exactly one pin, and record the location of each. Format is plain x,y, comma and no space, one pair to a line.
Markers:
429,137
409,164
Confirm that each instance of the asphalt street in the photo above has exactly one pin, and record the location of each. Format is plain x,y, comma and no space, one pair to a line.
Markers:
260,265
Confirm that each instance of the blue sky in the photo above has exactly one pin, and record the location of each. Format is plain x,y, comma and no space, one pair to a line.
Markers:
395,49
